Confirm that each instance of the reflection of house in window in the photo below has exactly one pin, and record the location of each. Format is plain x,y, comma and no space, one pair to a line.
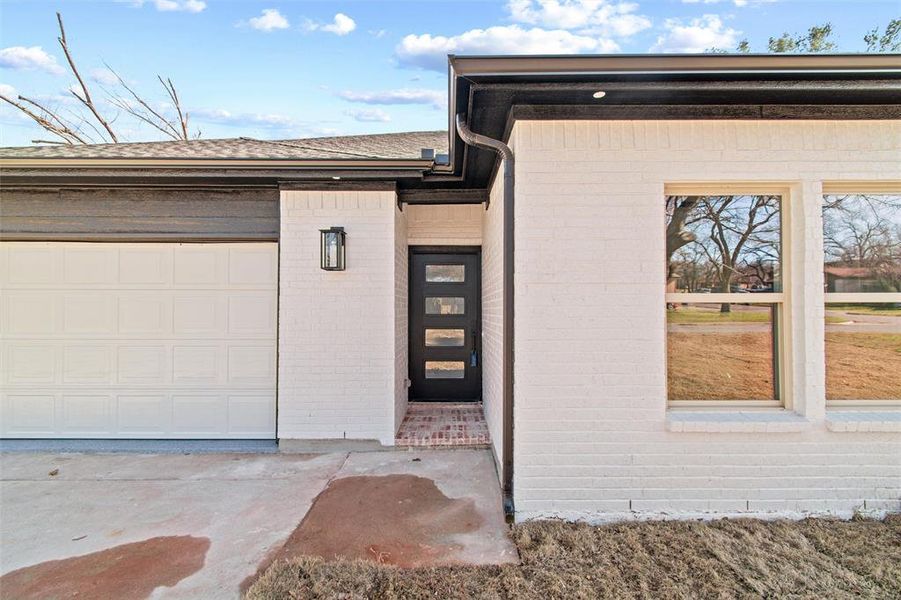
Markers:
851,280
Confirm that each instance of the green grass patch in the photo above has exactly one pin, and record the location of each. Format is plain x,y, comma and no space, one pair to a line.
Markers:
880,310
685,315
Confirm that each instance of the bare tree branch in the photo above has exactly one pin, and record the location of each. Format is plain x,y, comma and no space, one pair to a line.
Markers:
85,98
182,117
163,124
69,136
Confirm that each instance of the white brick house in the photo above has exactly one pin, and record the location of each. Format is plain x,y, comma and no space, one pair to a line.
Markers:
176,290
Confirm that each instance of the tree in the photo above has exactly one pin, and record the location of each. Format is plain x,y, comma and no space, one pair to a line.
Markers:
863,232
90,124
819,39
713,242
888,41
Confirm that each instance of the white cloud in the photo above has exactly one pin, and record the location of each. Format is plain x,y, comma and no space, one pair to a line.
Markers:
104,77
735,2
617,18
340,25
401,96
430,52
191,6
269,20
8,90
368,115
224,117
32,58
378,33
697,35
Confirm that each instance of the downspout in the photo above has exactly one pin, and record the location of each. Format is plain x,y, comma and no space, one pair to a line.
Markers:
506,154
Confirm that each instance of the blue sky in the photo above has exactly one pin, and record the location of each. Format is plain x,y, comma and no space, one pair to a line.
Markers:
281,69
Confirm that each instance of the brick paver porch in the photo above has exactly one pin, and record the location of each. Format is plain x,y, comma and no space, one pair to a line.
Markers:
442,424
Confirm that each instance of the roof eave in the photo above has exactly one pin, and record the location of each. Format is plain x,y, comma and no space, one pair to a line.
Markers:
473,66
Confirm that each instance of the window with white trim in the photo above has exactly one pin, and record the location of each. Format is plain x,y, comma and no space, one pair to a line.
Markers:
862,278
724,297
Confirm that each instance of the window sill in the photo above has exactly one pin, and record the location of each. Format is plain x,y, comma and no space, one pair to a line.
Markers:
780,421
863,421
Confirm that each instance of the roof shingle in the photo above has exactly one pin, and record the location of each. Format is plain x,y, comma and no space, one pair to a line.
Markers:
403,146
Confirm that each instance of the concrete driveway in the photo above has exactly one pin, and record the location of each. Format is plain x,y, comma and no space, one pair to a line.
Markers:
200,526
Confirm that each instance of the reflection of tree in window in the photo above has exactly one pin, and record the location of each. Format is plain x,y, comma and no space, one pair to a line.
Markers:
724,244
862,241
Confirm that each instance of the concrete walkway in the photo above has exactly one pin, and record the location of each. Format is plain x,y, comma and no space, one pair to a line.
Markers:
197,526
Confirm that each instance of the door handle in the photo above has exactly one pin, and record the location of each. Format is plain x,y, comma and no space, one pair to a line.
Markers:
474,355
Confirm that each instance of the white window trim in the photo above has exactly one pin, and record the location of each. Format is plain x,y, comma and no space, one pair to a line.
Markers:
850,188
781,300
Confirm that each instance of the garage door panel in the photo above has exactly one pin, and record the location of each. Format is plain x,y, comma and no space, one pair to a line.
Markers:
141,313
252,266
30,364
246,414
193,364
250,364
138,340
199,414
142,364
199,266
199,314
89,314
28,314
145,265
146,414
24,266
87,414
252,314
84,363
29,414
90,264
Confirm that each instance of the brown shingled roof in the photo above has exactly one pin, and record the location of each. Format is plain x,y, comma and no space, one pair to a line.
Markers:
406,146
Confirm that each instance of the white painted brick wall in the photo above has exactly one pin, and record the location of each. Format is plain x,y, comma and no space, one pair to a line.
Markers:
591,438
401,318
337,359
451,225
493,317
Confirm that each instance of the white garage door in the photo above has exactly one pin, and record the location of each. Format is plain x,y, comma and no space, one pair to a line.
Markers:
138,340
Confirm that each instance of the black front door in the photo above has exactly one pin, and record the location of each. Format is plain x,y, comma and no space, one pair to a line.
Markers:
445,325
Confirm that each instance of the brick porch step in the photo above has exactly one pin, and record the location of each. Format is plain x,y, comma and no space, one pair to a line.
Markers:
443,424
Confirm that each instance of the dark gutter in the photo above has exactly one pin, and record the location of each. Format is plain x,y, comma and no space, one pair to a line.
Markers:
506,155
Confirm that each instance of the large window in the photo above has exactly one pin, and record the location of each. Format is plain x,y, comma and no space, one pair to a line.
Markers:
862,277
724,298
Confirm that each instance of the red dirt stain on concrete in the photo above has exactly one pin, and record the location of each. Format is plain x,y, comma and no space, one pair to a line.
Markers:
126,572
401,520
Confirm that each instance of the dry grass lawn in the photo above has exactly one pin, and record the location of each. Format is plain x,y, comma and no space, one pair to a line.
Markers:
738,366
720,366
863,366
814,558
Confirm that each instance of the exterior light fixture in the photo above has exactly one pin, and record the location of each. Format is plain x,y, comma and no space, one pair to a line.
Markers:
599,94
333,249
336,177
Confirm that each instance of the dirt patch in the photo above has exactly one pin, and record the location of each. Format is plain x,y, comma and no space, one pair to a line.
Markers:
400,520
743,558
126,572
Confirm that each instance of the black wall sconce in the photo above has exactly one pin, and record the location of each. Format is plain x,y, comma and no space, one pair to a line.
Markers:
333,249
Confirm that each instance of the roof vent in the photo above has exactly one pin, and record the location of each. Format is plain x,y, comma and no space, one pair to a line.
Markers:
427,153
